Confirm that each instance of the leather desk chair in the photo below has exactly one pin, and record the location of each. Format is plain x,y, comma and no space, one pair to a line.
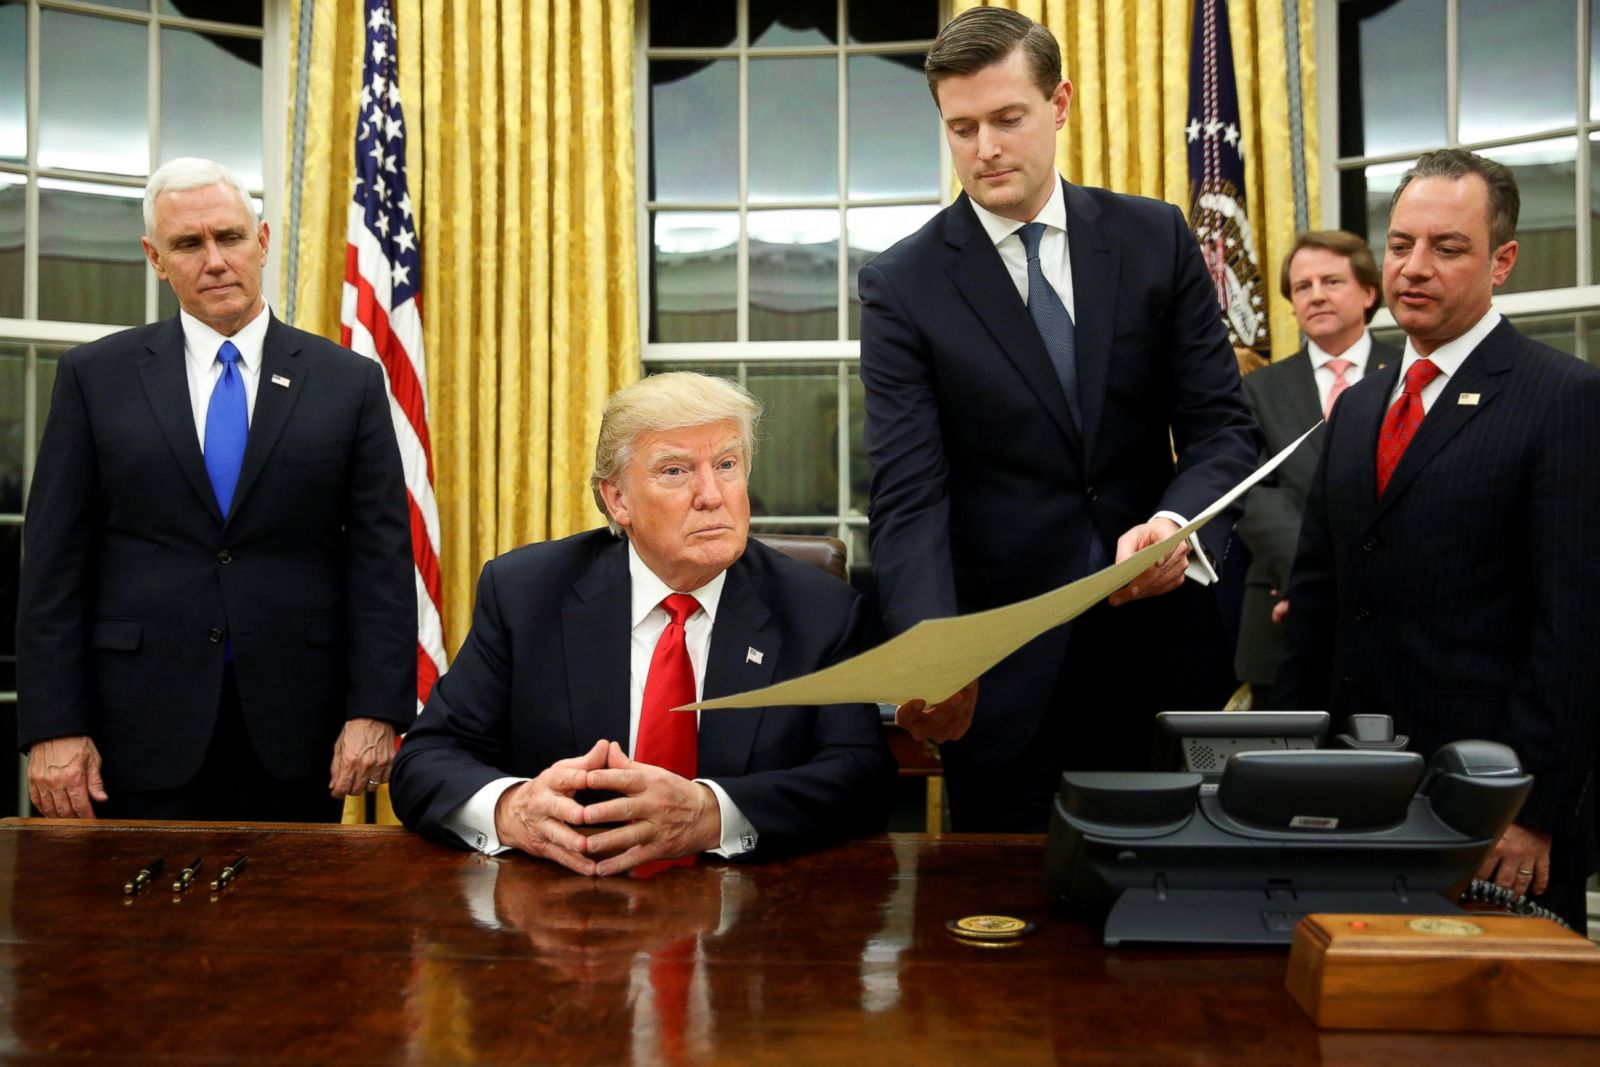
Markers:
915,759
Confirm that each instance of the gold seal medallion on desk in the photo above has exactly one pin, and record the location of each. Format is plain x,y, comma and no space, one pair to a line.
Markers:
989,928
1447,927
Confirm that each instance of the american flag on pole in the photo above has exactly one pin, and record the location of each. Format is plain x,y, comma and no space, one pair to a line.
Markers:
381,315
1216,178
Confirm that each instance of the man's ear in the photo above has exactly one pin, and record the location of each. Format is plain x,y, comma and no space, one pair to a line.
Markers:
1504,258
616,503
154,257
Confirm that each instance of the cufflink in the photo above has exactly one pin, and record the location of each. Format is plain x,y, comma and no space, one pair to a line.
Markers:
747,841
482,842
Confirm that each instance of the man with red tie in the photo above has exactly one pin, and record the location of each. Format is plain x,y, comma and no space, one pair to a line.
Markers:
1447,572
556,715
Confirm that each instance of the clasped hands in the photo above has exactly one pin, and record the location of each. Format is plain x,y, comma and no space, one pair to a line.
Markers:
662,815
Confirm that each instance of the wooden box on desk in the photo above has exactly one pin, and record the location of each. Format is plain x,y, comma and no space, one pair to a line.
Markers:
1475,972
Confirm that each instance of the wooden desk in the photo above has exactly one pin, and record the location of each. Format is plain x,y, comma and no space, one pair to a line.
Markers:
363,945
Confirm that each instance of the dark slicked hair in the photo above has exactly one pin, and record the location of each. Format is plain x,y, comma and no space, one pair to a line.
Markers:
1505,202
984,36
1343,243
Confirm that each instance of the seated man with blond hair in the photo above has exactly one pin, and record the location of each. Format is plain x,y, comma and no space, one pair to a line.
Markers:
555,718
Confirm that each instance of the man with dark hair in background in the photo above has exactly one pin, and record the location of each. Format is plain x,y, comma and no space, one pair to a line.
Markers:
1447,572
1032,358
1333,283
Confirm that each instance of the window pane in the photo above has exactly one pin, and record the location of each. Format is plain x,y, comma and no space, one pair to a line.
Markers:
1594,208
13,389
10,566
797,469
91,267
13,80
211,100
702,24
694,130
1557,331
1594,59
794,275
1589,331
1397,101
794,129
879,21
13,196
860,468
694,276
872,230
1517,73
894,129
788,23
238,12
93,123
1547,236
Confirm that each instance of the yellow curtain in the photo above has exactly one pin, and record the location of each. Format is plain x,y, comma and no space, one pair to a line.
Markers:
1128,61
519,122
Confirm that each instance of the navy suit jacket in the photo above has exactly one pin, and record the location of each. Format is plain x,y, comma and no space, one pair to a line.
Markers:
132,574
984,491
1465,602
1287,402
544,674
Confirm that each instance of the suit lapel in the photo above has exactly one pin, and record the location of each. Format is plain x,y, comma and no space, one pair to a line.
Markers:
166,386
981,276
1095,267
728,735
1305,399
597,638
280,357
1481,373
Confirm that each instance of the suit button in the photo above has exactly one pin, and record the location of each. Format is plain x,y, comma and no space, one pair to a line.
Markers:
215,636
224,557
1362,615
1369,545
1092,493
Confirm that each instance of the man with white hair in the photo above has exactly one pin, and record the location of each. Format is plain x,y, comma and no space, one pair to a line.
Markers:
555,718
216,616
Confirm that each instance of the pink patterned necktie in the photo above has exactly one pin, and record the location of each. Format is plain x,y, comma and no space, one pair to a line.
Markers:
1340,383
1400,424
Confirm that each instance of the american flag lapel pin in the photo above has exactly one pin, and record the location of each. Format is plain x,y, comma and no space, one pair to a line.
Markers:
278,379
752,655
1467,399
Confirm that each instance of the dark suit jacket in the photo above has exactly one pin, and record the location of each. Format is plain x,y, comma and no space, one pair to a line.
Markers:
1466,601
1287,403
544,674
132,575
984,492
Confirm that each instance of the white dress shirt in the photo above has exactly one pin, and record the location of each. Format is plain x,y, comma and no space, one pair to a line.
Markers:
1447,357
1055,260
473,821
204,369
1358,354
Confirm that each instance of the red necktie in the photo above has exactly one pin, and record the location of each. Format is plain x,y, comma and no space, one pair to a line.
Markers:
1340,382
670,739
1400,425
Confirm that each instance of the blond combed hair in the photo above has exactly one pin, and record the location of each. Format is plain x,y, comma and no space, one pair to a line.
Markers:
662,402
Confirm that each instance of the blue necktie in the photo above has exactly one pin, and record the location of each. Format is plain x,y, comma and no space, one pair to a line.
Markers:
1052,320
227,427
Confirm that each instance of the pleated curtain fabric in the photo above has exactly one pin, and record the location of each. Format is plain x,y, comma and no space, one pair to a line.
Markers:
1128,61
521,125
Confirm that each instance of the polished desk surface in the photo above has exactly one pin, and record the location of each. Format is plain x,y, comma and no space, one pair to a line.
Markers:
357,945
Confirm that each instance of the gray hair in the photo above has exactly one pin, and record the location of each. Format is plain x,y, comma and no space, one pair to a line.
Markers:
664,402
190,172
1505,202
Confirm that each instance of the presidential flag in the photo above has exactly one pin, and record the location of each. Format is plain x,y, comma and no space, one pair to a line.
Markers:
1216,179
381,314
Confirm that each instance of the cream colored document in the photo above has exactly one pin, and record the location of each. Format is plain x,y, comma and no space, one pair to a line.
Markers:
936,657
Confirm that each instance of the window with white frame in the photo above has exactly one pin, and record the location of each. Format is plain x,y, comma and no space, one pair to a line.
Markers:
782,145
1518,83
93,97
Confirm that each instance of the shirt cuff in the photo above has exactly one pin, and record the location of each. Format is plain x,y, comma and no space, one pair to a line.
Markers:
1199,569
473,819
738,836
